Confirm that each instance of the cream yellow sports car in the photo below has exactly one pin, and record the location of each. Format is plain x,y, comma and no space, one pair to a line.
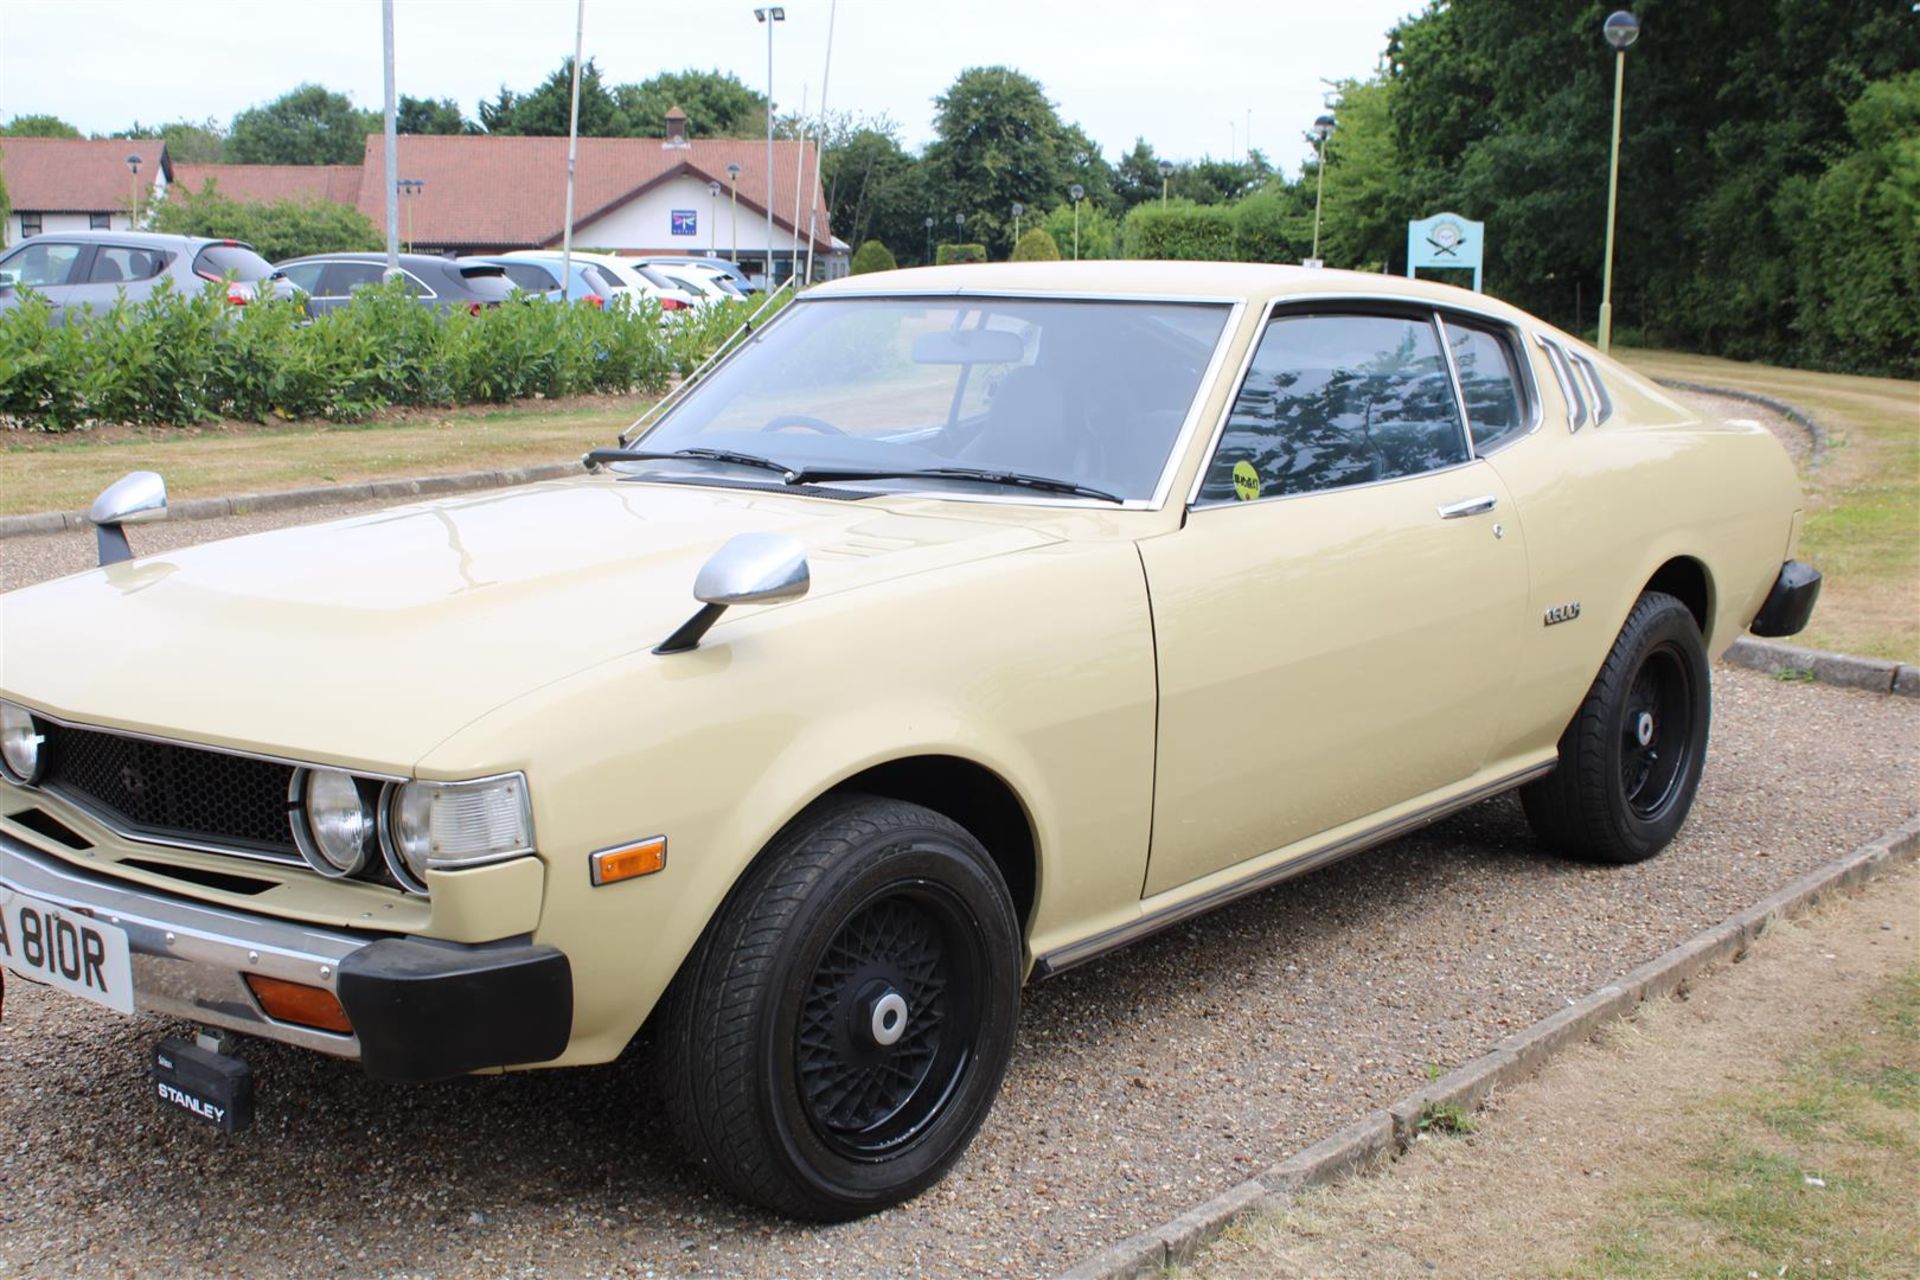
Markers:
952,628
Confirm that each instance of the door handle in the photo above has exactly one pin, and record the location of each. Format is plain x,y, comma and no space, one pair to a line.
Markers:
1468,507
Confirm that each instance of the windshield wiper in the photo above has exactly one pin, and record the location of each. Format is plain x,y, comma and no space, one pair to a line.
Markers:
986,475
597,457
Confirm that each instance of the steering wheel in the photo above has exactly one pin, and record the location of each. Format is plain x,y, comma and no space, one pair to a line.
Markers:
819,425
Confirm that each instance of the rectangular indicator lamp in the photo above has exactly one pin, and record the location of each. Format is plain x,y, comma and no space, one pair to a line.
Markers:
626,861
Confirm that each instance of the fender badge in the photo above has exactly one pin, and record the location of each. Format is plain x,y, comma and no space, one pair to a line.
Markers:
1562,613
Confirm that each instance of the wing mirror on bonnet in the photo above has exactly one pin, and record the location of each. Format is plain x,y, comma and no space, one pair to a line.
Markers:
749,568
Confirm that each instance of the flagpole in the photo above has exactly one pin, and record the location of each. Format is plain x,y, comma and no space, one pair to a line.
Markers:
392,139
573,151
820,140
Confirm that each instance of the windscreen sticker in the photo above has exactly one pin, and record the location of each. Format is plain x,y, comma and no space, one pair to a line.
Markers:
1246,481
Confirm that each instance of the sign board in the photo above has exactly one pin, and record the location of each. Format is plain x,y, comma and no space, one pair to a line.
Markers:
1446,240
686,222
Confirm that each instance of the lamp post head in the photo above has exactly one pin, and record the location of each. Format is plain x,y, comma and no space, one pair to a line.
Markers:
1078,192
713,189
774,14
1621,29
133,164
1322,128
928,224
733,173
960,220
1166,168
1019,210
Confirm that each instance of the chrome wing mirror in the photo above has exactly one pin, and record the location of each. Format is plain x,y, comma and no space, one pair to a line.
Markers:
134,497
749,568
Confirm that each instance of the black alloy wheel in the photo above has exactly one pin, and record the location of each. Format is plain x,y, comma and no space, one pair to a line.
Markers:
1631,758
840,1031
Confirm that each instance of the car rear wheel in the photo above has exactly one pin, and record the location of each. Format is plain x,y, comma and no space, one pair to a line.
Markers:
837,1037
1630,761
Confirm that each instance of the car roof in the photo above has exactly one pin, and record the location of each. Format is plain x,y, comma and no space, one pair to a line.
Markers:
143,239
1253,282
357,255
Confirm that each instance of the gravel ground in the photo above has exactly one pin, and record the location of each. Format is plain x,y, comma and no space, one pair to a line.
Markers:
1141,1084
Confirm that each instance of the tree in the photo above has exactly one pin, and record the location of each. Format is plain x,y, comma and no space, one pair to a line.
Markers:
187,142
428,116
1036,245
1099,231
309,125
545,110
286,229
872,256
717,105
1136,178
38,127
1364,208
999,141
873,189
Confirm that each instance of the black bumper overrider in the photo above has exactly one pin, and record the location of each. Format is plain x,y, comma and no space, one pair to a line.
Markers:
431,1011
1791,601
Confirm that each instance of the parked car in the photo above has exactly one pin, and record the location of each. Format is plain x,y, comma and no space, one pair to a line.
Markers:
668,297
541,277
707,284
329,279
95,268
959,626
732,270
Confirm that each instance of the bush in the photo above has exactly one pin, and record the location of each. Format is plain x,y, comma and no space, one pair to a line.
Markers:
178,358
1192,232
1268,227
1036,246
286,229
1099,233
872,256
951,253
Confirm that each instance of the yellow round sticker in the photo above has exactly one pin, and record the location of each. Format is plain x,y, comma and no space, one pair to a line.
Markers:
1246,481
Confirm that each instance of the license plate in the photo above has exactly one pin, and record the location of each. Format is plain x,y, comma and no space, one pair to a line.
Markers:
65,949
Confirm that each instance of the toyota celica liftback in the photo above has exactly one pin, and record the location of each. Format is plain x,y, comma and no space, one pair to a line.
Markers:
954,628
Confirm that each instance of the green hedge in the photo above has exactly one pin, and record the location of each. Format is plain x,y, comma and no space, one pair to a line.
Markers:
178,358
1192,232
951,253
1036,246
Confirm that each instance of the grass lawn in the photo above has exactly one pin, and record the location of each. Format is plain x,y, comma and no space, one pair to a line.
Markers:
64,472
1863,512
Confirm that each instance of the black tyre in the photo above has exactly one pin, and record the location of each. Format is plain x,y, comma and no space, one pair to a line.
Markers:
837,1037
1630,761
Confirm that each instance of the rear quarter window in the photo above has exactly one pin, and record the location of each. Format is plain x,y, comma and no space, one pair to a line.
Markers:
218,260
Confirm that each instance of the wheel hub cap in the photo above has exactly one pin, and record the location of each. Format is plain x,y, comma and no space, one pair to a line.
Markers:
1643,729
888,1020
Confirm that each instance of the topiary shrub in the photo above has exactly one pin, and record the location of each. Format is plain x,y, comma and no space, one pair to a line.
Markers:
872,256
1193,232
1036,246
947,254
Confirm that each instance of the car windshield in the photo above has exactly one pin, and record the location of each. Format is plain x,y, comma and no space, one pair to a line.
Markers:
1091,393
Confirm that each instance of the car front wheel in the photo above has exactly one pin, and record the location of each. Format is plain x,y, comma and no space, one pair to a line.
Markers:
1630,761
837,1037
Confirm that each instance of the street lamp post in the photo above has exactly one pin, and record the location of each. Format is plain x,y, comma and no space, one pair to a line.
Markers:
1621,29
1078,193
767,17
133,205
929,225
1166,172
713,219
1322,130
1018,210
733,181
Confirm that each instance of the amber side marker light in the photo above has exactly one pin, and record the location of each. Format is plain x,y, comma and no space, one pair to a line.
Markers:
300,1004
624,862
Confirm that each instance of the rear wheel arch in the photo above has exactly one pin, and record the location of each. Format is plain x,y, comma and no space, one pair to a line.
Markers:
1687,580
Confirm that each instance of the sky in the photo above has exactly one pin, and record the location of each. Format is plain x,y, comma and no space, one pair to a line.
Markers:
1195,79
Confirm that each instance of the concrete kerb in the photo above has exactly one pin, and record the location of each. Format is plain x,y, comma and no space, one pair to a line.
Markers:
1842,669
1382,1135
313,496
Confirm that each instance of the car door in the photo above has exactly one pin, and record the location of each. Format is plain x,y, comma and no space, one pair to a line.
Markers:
116,269
1338,618
338,282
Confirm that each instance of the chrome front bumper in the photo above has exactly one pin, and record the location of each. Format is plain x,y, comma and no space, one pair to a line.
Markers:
190,960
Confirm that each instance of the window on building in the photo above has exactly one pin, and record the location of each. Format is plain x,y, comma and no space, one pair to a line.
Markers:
30,225
100,221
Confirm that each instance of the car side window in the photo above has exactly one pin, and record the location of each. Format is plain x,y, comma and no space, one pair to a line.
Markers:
304,276
1337,400
117,264
1489,383
45,263
532,278
342,278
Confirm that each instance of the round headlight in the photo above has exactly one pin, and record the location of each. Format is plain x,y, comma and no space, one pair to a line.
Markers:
339,823
413,829
20,743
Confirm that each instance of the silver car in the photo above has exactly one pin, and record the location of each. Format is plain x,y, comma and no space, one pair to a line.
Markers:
93,268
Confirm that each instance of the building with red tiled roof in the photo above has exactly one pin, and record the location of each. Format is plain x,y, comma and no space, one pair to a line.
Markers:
271,183
70,184
482,193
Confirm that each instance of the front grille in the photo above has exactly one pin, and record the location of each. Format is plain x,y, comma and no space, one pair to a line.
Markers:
172,792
